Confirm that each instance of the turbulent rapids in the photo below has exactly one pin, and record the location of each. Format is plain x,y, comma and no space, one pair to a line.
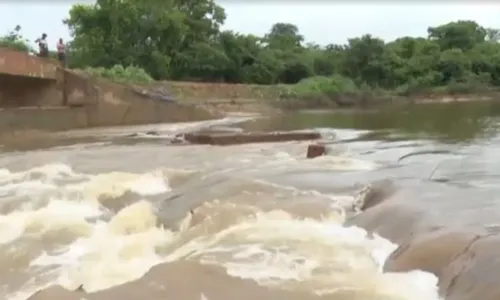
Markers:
67,228
97,218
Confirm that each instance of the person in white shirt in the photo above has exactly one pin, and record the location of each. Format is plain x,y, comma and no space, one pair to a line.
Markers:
43,49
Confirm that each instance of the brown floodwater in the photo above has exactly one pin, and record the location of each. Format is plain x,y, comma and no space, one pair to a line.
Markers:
94,210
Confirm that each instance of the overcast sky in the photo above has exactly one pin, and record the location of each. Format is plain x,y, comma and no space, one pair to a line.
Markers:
322,22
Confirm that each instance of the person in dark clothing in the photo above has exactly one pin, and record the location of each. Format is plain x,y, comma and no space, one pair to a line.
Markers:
43,48
61,52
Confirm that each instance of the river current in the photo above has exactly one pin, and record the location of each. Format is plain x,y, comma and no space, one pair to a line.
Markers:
116,211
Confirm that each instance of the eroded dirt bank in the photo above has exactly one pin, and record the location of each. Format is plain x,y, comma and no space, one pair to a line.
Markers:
265,98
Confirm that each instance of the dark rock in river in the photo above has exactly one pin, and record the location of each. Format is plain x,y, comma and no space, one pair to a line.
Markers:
250,137
315,150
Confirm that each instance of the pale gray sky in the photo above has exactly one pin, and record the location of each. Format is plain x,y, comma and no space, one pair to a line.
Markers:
320,21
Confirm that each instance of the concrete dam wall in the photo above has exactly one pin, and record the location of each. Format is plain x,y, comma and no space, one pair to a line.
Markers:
39,94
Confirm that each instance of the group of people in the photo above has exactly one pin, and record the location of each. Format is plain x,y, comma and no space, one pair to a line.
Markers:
43,48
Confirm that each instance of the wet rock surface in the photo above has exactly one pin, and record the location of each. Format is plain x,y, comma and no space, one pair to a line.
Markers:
163,282
466,261
378,192
249,137
475,273
394,220
315,150
431,252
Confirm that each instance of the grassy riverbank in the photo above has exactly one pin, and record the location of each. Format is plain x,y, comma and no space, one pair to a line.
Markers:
314,92
457,60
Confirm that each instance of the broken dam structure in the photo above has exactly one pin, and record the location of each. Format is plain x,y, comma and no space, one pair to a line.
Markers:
39,94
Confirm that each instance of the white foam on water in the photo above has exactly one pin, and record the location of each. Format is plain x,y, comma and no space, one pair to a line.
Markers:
66,205
81,146
25,188
150,184
58,214
165,129
115,252
343,134
273,248
343,163
4,173
49,171
289,160
115,184
36,177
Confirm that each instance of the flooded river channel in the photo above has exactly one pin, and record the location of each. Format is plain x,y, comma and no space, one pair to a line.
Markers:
115,213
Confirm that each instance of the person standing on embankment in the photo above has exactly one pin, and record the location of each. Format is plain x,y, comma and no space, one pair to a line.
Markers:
43,48
61,52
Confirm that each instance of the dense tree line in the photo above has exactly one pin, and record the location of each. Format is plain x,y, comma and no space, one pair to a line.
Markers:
183,40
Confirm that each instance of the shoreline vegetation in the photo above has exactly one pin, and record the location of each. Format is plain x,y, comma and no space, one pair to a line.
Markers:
148,43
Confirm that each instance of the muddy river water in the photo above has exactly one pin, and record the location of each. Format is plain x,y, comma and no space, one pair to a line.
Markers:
94,210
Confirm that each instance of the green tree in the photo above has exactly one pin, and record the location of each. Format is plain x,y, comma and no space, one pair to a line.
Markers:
182,40
463,35
15,41
241,51
284,35
453,65
151,34
364,60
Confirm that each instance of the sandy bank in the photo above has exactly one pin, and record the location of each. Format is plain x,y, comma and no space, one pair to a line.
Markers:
264,98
